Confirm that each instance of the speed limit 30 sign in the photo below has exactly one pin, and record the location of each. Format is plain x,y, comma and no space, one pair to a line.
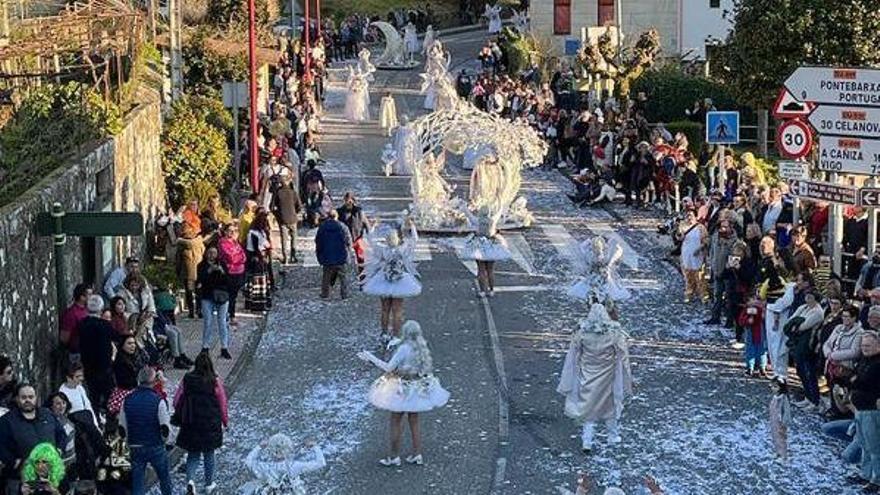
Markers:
794,139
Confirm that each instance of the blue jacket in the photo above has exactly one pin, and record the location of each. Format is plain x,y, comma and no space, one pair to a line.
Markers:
143,426
332,243
19,435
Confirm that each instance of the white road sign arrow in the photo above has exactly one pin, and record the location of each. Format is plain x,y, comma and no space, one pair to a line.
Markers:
849,155
835,85
869,196
847,121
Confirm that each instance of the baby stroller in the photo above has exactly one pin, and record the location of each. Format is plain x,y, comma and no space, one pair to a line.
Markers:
156,343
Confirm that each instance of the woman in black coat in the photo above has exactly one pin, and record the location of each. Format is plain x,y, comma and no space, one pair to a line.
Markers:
200,409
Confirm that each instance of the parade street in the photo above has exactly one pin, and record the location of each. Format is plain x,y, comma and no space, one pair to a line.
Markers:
694,422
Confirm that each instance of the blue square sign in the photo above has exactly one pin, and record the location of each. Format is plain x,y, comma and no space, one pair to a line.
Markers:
722,127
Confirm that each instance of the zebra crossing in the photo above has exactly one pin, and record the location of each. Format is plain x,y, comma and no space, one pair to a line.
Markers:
519,245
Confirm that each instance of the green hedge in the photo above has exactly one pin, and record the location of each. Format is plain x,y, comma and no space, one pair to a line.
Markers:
670,92
195,155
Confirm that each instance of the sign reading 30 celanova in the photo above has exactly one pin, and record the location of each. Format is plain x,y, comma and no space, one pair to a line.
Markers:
836,85
847,121
849,155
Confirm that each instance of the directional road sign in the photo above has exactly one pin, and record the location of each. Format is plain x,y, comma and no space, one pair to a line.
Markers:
835,85
92,223
722,127
794,139
847,121
794,170
823,191
849,155
869,197
789,107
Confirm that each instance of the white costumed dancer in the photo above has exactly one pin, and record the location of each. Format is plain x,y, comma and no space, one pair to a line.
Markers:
406,144
428,41
521,21
388,113
596,267
276,469
389,156
596,376
411,40
364,66
357,100
391,275
493,13
436,84
409,387
485,247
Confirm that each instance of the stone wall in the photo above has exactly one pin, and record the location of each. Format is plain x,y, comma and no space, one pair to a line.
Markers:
122,173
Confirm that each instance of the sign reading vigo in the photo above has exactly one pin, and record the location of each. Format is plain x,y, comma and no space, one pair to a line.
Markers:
849,155
847,121
835,85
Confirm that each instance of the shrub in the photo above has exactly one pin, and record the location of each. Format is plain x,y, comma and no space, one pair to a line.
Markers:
161,274
670,92
52,123
193,151
206,69
692,130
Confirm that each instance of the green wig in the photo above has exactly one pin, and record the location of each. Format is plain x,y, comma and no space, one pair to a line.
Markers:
44,452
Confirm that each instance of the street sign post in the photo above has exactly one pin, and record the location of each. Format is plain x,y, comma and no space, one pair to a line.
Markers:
794,139
59,224
824,191
794,170
835,85
235,96
847,121
722,128
869,197
849,155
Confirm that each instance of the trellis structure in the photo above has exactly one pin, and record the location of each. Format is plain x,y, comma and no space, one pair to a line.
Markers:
93,42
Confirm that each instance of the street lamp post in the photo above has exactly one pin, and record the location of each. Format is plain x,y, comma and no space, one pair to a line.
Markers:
318,16
307,26
252,90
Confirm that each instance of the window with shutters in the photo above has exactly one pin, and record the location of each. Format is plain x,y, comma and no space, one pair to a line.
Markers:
561,16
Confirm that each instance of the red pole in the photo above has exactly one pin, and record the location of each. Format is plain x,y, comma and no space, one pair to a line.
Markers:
252,58
308,60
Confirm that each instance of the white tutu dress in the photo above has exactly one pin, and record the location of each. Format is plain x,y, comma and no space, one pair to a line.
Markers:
487,244
279,476
398,391
390,270
596,267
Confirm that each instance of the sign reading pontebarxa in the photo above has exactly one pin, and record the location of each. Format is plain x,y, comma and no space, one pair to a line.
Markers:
835,85
849,155
824,191
794,170
847,121
869,196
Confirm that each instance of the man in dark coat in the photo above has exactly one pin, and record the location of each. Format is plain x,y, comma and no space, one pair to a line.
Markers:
332,246
287,208
21,429
96,350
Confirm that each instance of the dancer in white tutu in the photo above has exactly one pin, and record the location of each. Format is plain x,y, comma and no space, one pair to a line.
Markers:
407,147
486,247
277,470
391,275
357,100
407,387
411,40
364,65
388,113
596,267
429,40
596,375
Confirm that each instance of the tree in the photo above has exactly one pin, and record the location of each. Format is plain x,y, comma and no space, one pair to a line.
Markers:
771,38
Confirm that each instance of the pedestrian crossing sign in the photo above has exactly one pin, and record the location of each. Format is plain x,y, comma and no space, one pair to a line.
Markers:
722,127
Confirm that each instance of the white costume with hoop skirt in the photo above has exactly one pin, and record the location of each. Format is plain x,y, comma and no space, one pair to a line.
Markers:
390,270
397,392
596,265
484,248
279,477
357,100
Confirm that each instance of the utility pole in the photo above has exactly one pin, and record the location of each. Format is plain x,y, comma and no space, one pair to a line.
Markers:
252,80
293,26
176,56
307,27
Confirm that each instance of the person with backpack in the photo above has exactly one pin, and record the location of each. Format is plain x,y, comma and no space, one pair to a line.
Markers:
201,411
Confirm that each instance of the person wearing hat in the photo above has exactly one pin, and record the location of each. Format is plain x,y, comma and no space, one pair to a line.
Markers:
96,352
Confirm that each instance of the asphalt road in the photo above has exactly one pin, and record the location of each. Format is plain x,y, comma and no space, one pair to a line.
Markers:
694,422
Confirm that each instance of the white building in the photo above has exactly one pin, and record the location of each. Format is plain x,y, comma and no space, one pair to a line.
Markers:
703,24
685,26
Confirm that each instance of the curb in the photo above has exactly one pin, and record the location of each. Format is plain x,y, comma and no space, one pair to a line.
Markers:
176,454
